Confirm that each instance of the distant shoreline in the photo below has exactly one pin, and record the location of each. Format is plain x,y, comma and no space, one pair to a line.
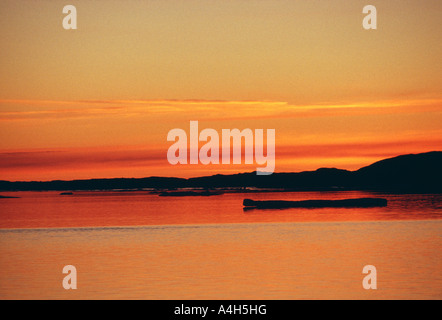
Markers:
413,173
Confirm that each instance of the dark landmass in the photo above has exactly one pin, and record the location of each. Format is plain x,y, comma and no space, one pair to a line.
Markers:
345,203
7,197
190,193
413,173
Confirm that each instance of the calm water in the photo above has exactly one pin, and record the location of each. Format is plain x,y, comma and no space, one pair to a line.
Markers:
140,246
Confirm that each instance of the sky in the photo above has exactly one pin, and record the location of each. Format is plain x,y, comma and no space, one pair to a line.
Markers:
98,102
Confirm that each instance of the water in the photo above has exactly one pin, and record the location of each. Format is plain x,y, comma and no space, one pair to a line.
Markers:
131,245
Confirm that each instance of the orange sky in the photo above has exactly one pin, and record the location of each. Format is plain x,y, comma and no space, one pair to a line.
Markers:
99,101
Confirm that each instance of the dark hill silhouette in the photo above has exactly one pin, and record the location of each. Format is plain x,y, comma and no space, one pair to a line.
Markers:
7,197
417,173
321,179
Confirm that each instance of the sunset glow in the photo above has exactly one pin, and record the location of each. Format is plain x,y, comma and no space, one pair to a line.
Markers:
98,102
220,158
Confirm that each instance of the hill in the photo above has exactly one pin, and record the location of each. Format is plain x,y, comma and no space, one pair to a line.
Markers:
419,173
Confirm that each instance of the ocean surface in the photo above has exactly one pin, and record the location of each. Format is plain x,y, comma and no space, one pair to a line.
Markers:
135,245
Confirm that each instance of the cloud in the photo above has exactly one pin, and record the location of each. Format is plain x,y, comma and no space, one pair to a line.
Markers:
210,110
142,161
362,149
75,158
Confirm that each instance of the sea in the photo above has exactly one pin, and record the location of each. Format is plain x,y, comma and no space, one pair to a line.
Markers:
138,245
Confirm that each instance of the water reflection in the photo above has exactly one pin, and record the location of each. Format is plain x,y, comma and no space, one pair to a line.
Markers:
233,261
90,209
142,246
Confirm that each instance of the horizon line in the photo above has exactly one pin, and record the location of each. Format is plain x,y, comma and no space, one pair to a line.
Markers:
218,174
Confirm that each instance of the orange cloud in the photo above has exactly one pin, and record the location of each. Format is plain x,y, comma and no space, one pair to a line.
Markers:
143,161
44,140
203,109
